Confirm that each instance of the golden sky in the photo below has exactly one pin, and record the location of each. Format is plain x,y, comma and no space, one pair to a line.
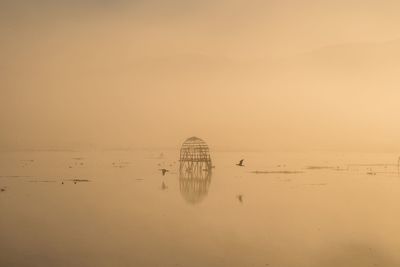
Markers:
240,74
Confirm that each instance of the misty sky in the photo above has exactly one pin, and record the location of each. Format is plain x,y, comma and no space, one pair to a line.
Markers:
281,74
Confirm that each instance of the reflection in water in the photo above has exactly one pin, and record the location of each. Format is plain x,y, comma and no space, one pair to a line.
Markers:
194,170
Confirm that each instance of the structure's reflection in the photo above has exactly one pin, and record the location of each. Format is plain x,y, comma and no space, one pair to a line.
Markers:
195,170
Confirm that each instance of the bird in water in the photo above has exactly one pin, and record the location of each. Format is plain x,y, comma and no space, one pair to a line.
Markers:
240,163
370,172
240,198
164,171
163,186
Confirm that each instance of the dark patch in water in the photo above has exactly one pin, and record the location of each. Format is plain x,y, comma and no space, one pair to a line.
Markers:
15,176
42,181
276,172
80,180
321,167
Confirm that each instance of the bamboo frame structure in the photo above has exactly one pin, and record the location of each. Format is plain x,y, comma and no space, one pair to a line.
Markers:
195,154
195,170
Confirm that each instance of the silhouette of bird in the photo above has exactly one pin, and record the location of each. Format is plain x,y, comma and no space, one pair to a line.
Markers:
240,198
240,163
164,171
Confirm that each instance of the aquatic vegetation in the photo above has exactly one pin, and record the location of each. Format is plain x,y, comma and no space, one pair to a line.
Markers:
322,167
42,181
277,172
316,184
79,180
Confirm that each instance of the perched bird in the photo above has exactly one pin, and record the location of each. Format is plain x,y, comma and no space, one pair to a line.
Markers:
240,163
164,171
240,198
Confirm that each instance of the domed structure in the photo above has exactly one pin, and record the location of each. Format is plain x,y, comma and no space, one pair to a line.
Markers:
195,150
194,170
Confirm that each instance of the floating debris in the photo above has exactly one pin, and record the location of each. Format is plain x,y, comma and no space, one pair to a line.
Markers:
41,181
27,160
121,164
277,172
372,165
80,180
321,167
15,176
320,184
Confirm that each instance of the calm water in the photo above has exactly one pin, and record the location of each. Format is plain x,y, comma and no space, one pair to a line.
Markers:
312,209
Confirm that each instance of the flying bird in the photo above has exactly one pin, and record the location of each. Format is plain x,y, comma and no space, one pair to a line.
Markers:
240,163
164,171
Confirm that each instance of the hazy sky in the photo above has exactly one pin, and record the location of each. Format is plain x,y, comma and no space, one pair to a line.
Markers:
240,74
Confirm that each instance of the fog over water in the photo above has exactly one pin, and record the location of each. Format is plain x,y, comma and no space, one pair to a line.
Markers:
282,75
199,133
110,209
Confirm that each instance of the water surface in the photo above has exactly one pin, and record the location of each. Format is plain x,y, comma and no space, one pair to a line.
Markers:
108,208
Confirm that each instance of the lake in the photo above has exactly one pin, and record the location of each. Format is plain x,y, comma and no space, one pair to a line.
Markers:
115,208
